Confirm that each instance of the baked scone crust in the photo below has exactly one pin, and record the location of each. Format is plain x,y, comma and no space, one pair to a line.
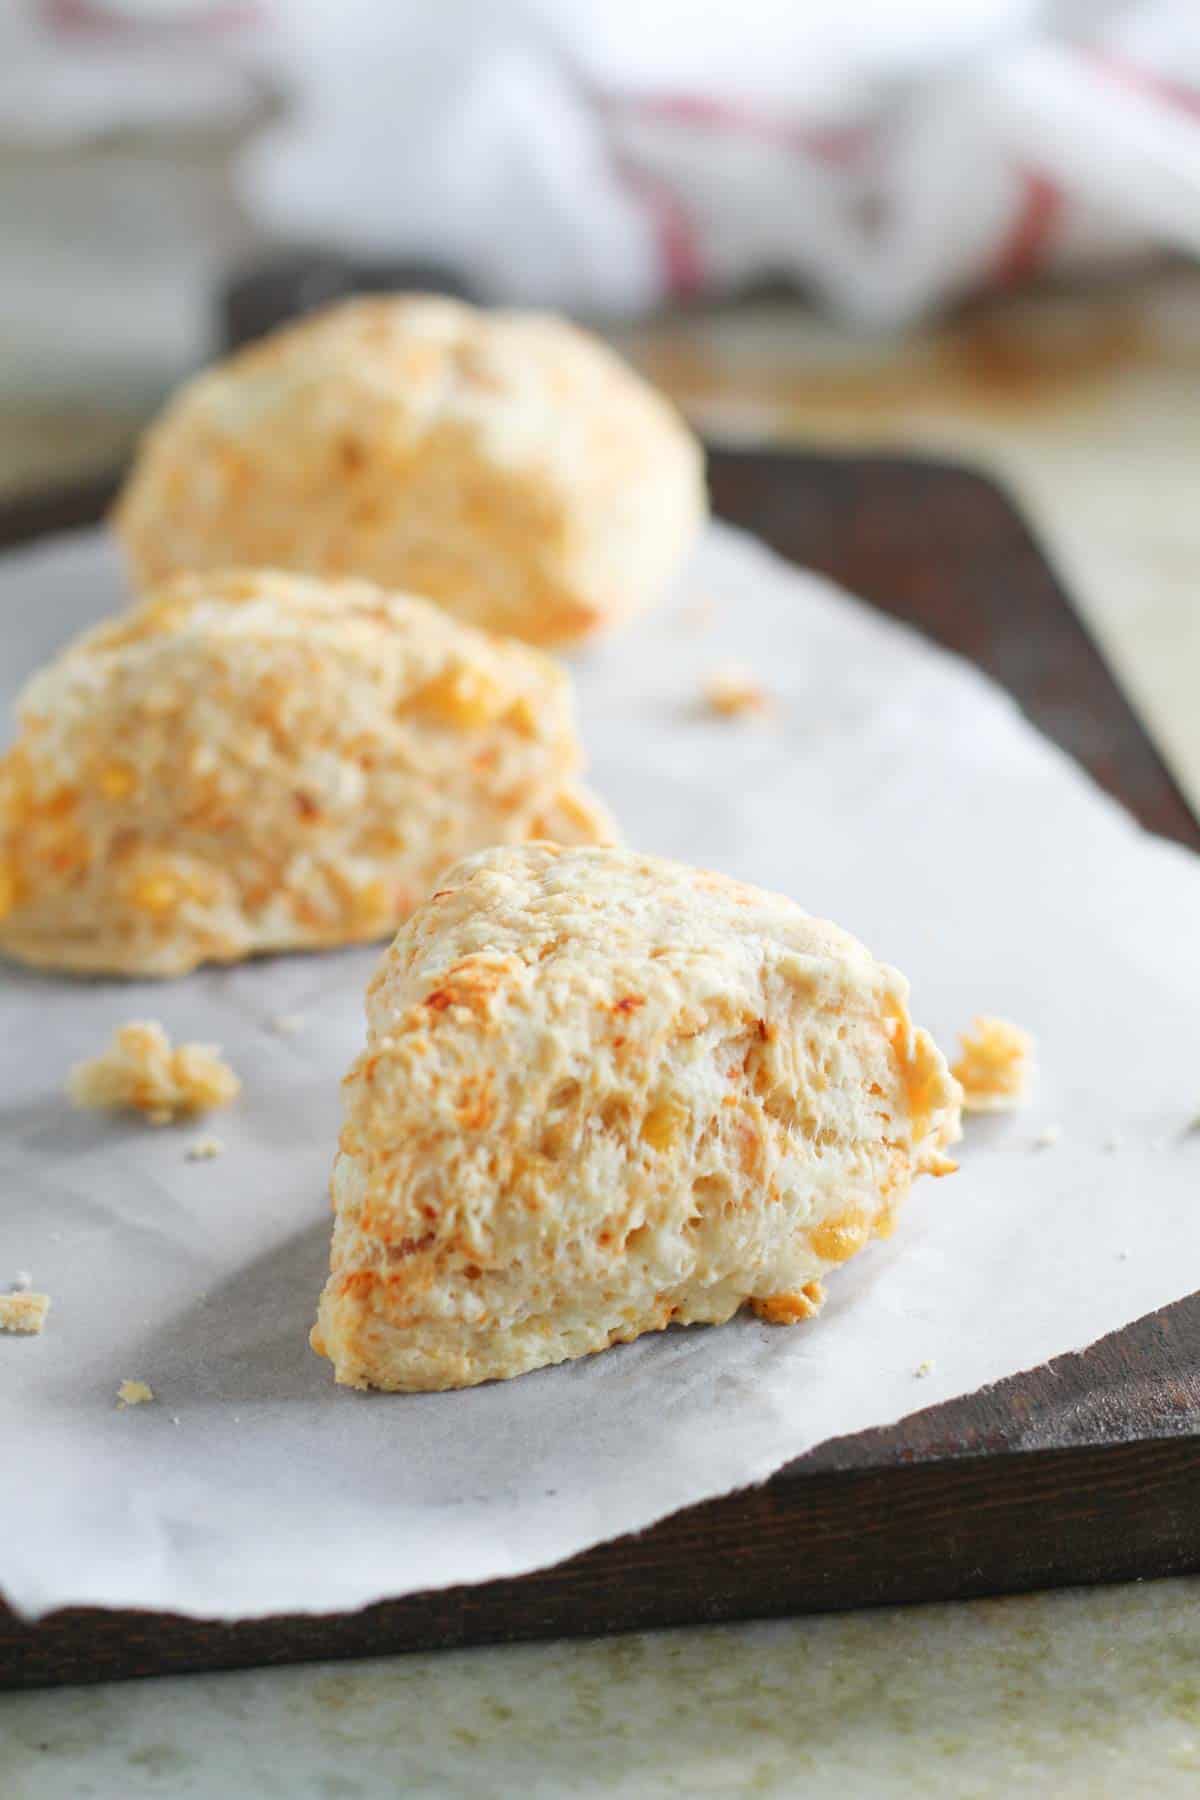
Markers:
508,465
252,761
602,1092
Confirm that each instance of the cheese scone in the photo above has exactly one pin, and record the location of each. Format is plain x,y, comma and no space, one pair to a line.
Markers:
253,761
506,464
602,1092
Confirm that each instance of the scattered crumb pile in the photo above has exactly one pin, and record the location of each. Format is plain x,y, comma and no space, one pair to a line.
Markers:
732,691
141,1072
134,1393
996,1066
23,1312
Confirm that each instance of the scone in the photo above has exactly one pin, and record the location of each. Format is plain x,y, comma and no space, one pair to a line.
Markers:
506,464
254,761
603,1092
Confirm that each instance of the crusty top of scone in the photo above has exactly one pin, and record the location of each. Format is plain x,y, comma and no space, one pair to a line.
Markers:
534,945
506,463
407,364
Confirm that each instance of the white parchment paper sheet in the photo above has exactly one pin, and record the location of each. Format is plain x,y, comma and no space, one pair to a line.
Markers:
894,791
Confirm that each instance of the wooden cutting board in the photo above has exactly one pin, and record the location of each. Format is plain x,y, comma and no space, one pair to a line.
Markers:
1084,1471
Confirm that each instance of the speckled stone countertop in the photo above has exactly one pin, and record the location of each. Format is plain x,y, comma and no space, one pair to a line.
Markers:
1088,409
1070,1695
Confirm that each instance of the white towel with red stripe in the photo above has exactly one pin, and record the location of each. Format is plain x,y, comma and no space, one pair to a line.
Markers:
888,157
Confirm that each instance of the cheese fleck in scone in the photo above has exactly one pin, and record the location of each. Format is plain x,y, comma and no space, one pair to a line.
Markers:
140,1072
23,1312
995,1069
602,1092
506,464
254,761
134,1393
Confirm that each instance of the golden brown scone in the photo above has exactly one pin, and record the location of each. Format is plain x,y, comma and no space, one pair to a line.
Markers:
506,464
602,1092
253,761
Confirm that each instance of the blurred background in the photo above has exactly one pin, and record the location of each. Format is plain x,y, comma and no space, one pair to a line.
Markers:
965,227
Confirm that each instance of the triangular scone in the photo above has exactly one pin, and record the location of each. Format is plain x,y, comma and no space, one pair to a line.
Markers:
507,464
254,761
603,1092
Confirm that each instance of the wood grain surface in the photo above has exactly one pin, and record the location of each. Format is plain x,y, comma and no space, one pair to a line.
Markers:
1087,1470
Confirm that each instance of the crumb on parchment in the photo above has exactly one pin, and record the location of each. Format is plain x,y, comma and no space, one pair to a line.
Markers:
23,1312
134,1393
923,1369
995,1069
287,1024
732,691
140,1072
204,1149
788,1309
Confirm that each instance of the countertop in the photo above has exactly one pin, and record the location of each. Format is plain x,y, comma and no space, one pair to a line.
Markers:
1070,1694
1086,407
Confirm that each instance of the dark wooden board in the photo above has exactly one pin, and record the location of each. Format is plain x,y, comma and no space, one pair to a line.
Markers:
1084,1471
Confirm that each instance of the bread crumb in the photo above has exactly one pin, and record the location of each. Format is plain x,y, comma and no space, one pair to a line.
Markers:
995,1069
1045,1140
22,1282
923,1369
140,1072
790,1308
733,690
134,1393
24,1312
287,1024
204,1149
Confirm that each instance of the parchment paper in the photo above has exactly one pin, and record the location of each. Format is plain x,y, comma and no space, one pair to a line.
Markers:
894,791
